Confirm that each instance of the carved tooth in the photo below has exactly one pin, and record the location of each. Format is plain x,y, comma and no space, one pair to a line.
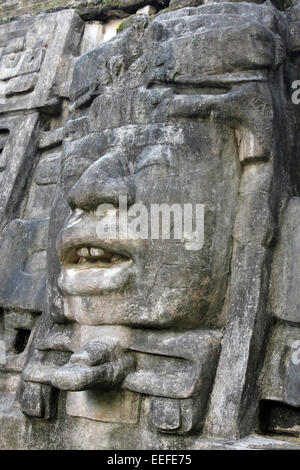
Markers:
83,252
97,252
115,258
82,260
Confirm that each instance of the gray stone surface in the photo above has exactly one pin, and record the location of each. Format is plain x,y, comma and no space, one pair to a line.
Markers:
281,382
146,343
23,254
286,273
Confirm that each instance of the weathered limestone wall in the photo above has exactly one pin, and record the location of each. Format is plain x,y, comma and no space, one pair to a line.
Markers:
202,350
88,10
15,8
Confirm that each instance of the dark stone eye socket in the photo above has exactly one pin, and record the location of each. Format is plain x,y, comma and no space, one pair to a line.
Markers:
21,340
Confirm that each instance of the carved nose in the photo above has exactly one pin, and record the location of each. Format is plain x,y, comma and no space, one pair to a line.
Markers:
103,183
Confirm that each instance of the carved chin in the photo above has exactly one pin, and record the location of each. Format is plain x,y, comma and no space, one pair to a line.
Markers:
87,280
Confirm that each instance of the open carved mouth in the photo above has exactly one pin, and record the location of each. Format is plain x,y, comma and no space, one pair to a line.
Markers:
90,265
90,270
87,257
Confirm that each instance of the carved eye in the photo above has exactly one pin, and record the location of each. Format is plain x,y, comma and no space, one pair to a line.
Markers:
202,90
155,155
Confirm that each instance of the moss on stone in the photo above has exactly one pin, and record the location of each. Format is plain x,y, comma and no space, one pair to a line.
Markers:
121,26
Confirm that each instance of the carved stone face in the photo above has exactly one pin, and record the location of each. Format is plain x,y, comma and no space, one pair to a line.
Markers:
150,282
190,107
173,135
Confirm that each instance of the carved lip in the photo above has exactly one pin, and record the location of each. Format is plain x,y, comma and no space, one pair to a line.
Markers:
94,281
91,266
